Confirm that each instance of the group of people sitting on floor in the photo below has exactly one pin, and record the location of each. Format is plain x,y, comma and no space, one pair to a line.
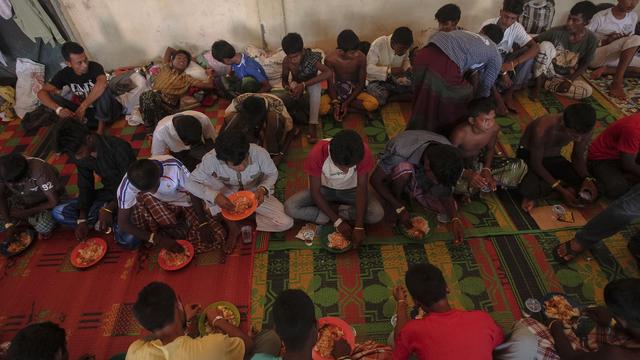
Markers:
438,331
458,82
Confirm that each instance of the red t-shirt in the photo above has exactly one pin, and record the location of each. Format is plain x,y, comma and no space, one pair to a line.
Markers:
319,155
623,136
456,334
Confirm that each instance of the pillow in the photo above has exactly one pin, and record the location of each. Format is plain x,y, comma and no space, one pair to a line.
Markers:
196,71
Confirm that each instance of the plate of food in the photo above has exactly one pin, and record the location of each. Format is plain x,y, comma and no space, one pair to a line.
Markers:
245,203
331,329
557,306
88,252
333,241
420,228
229,311
172,261
21,240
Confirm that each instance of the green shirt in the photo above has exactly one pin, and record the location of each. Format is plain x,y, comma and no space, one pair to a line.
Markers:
569,55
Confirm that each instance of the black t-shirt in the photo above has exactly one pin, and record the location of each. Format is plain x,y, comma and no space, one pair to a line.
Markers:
80,85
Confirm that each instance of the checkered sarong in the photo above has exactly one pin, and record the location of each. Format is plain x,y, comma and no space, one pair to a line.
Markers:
598,337
177,222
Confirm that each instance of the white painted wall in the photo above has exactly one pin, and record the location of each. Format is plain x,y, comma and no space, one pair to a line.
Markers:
130,32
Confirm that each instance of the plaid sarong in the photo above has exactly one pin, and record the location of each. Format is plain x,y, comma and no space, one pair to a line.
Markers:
537,18
308,63
598,337
177,222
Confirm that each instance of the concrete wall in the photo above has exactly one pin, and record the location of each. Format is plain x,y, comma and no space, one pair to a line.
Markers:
129,32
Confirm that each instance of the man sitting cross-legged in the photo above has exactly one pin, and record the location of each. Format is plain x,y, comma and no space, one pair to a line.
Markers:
443,332
156,208
549,171
618,51
109,158
338,172
346,90
389,68
187,136
565,53
427,167
477,138
233,165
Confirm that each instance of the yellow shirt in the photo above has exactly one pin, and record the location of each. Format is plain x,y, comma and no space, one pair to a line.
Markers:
210,347
172,84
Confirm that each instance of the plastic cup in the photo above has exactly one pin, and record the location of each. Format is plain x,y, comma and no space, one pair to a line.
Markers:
247,234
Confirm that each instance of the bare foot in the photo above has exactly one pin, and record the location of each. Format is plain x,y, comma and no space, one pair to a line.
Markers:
277,159
510,104
597,73
219,256
527,204
313,134
230,243
502,110
617,91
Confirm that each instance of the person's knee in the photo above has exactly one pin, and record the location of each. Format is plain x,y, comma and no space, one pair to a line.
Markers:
632,41
546,47
291,206
368,102
325,104
615,189
375,212
126,240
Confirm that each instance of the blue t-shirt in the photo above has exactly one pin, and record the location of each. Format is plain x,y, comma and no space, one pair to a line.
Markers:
249,67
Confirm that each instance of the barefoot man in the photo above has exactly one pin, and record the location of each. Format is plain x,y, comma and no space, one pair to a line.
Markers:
540,147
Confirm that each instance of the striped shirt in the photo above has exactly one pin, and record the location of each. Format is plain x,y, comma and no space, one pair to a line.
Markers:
172,84
171,189
467,49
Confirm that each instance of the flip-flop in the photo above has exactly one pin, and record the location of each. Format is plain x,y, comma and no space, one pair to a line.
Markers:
569,255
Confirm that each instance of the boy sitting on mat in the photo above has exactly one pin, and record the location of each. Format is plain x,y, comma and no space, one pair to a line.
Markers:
346,90
477,138
541,146
29,189
307,72
247,75
233,165
427,167
338,172
155,207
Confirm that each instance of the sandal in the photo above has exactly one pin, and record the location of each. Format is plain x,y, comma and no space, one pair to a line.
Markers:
569,255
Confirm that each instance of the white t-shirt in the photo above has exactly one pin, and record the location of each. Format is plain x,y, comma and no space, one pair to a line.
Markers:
165,137
604,23
515,34
171,189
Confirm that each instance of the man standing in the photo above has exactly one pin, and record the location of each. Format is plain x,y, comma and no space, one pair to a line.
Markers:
441,92
88,84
